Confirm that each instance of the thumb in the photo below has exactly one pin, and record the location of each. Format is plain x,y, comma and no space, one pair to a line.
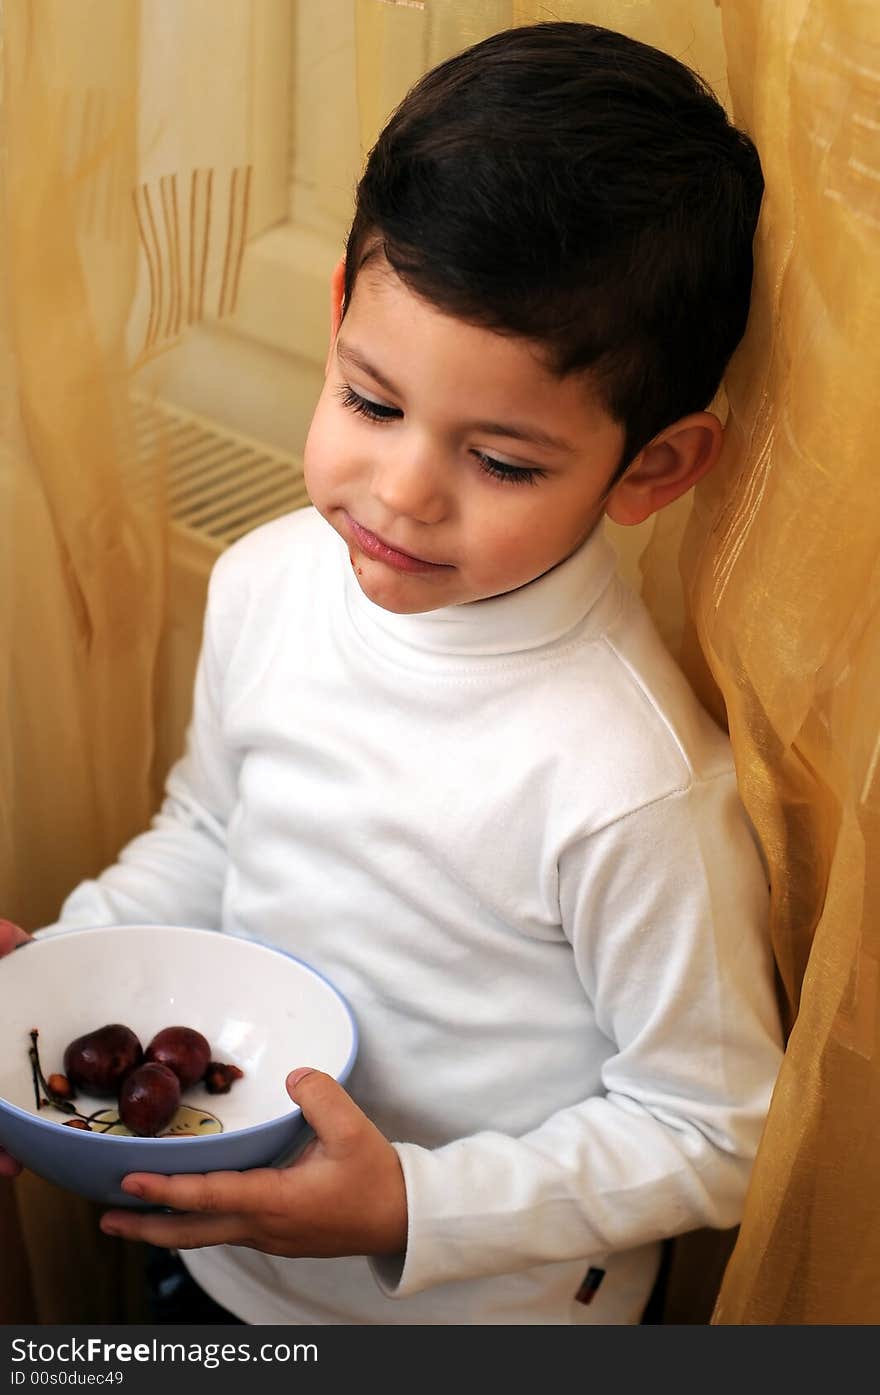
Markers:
326,1107
11,936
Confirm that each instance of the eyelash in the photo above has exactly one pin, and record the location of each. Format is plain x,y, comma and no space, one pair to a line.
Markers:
378,413
373,411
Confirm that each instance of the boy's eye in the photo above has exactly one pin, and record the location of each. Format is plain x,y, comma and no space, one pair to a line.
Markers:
512,474
378,411
365,406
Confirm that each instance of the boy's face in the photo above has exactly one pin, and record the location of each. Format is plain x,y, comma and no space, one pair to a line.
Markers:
454,465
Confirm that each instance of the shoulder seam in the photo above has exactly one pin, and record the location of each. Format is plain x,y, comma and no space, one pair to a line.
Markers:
694,783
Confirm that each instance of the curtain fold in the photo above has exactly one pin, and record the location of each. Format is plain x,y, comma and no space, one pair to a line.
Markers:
765,584
783,583
82,541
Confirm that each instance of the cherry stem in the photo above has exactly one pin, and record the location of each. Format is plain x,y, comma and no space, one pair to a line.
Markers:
35,1076
52,1098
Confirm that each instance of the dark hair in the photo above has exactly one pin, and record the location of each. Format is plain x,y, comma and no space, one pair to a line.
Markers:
567,184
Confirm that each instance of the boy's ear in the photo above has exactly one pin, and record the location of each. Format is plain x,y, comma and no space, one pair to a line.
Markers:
666,468
337,298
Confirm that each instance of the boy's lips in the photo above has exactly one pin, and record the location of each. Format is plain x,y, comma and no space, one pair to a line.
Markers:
374,546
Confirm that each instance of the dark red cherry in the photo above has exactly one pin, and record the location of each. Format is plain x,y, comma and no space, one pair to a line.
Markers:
183,1050
99,1061
148,1099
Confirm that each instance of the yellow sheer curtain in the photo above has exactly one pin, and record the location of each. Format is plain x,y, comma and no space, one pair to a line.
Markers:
81,543
781,564
81,539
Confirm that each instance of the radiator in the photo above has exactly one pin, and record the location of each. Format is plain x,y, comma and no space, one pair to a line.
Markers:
220,485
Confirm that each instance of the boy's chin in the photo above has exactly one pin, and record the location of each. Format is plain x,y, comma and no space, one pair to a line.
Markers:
414,600
395,600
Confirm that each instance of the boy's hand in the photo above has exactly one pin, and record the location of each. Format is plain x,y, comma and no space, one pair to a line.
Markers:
343,1195
9,1166
11,936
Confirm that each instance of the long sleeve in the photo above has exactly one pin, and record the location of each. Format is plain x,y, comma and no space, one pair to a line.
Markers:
666,913
174,873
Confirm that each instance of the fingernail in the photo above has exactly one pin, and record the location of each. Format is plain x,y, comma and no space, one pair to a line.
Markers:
109,1228
300,1074
132,1188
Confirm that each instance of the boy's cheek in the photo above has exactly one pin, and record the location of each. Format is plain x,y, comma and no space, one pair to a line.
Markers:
329,461
322,477
318,459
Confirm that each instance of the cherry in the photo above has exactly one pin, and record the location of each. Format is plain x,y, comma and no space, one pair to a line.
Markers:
99,1061
183,1050
149,1099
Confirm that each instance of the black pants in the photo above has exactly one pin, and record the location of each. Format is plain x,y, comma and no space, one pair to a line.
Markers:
173,1294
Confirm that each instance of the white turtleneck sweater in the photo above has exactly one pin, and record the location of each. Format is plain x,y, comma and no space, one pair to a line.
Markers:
512,838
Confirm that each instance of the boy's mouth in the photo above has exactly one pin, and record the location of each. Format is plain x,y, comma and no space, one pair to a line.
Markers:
374,546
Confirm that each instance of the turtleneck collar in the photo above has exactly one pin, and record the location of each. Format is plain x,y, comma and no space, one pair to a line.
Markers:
536,614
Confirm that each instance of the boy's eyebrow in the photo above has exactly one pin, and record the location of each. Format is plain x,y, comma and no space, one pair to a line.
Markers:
532,434
350,355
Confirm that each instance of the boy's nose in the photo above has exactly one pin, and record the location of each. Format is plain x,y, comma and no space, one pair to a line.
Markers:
410,485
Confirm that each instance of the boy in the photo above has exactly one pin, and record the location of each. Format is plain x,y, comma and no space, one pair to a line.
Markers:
439,752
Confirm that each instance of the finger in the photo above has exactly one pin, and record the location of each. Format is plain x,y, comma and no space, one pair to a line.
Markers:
11,936
177,1232
326,1107
9,1166
210,1193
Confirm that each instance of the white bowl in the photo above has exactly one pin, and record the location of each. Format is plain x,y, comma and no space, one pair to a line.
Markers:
260,1009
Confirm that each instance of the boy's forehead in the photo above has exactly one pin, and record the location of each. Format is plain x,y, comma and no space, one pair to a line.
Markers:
376,279
379,287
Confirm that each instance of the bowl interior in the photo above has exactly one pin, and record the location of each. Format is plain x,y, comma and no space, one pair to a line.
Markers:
260,1010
